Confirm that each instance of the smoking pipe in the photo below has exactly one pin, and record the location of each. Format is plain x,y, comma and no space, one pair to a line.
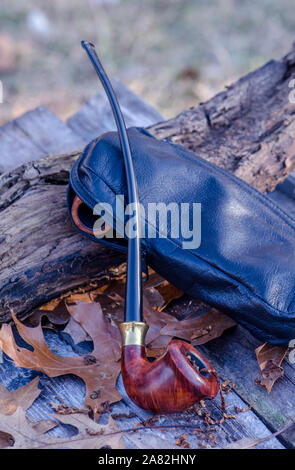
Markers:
182,376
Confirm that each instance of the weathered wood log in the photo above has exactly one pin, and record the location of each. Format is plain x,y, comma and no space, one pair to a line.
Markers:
41,254
247,129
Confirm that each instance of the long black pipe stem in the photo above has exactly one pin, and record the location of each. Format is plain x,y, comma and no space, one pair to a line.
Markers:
133,302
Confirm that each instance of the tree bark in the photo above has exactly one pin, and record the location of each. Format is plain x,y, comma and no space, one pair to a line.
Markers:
247,129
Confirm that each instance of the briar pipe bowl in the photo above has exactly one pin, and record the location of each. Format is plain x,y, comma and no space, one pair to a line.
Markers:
170,384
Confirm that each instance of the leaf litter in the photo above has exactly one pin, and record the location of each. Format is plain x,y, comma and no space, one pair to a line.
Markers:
270,358
95,314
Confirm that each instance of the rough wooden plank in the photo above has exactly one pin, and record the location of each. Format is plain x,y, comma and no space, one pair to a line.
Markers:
233,356
95,117
16,148
35,134
49,132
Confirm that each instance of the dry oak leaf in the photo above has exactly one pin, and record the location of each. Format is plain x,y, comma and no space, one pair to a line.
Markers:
23,397
55,311
99,370
269,359
200,330
168,293
91,434
17,432
76,332
163,327
156,322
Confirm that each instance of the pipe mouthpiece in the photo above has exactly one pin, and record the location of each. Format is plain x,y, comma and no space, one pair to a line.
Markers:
86,44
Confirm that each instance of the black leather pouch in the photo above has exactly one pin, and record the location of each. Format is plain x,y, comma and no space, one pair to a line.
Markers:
241,255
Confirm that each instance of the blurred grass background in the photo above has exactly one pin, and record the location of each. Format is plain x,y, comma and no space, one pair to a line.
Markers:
173,53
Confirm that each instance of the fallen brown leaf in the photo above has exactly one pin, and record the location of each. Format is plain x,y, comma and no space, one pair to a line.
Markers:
200,330
15,404
269,359
43,426
23,397
6,440
99,370
156,322
154,279
55,311
168,293
17,432
158,292
92,435
50,306
75,330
